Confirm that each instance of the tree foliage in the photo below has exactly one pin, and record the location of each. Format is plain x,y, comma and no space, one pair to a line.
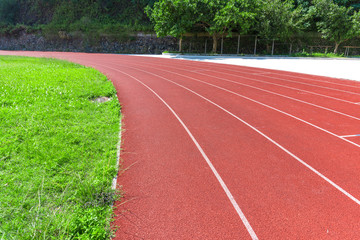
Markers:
35,12
8,11
336,20
217,17
336,23
279,19
221,17
172,18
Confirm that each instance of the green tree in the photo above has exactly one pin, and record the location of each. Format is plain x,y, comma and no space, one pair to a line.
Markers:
217,17
8,11
172,18
221,17
336,23
279,19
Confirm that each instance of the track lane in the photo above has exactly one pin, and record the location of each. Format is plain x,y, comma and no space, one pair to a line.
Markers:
301,77
199,221
270,189
263,188
310,88
283,132
319,99
325,117
253,76
260,76
343,107
300,84
301,219
350,86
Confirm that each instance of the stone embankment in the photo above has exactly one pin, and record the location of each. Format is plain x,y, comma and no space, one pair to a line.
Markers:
135,44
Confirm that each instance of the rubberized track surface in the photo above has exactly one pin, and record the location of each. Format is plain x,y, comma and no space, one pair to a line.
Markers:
229,152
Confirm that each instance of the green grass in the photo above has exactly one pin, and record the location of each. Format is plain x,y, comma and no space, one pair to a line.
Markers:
172,52
324,55
57,150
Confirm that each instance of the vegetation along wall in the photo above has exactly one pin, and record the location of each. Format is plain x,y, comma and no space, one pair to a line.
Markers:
129,26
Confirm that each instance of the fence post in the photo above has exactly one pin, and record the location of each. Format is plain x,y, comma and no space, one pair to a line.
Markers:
255,45
222,44
290,48
238,46
190,48
272,48
205,45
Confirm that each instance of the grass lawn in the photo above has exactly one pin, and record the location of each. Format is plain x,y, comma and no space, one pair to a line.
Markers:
316,54
57,150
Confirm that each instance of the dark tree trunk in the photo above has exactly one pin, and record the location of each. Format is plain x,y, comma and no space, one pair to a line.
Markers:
268,48
215,43
180,44
336,47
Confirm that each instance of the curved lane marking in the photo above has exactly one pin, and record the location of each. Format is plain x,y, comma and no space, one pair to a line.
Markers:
271,92
213,169
255,101
266,82
264,135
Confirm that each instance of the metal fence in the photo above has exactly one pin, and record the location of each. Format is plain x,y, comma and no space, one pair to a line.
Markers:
251,44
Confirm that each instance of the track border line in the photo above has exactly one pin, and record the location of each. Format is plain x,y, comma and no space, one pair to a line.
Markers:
255,101
285,96
289,87
278,72
213,169
354,135
266,82
264,135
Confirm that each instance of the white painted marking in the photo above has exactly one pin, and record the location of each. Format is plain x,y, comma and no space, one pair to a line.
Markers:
295,99
314,85
355,135
257,73
255,101
288,75
264,90
199,70
118,150
267,137
315,80
213,169
298,89
256,80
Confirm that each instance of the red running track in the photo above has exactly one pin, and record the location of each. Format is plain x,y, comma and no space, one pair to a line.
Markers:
229,152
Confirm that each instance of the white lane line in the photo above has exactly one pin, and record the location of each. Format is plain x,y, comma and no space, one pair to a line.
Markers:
286,75
314,85
255,101
266,82
281,95
355,135
316,80
118,152
198,70
213,169
262,134
293,88
259,73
